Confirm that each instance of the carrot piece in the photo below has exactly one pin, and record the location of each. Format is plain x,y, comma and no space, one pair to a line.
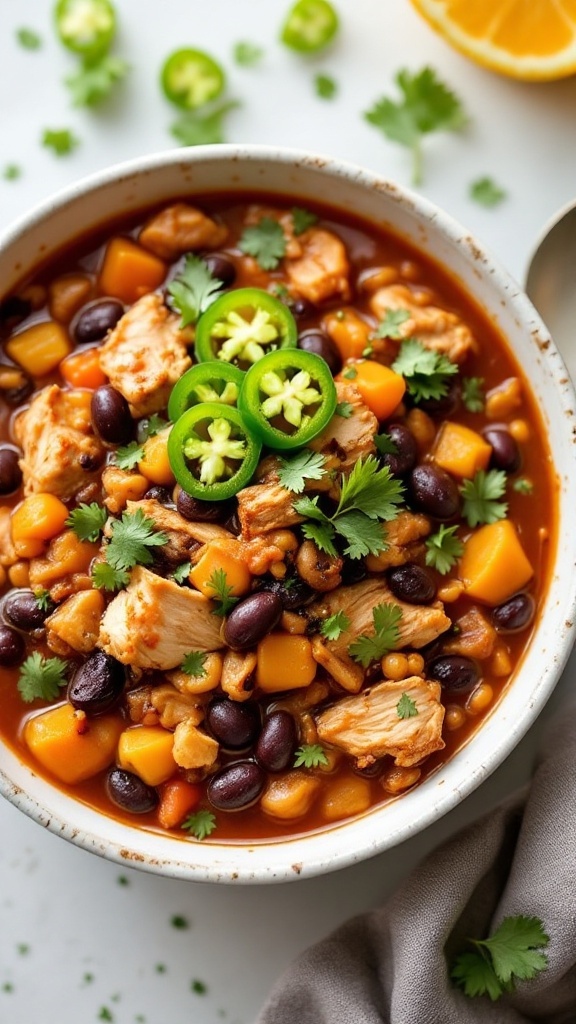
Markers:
128,271
146,750
382,390
155,465
39,517
494,565
285,662
349,332
223,555
40,348
177,799
461,451
82,370
69,746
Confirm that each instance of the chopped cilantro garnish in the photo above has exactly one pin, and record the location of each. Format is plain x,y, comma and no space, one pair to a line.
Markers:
88,521
105,1014
406,707
389,327
193,290
334,625
385,444
367,649
204,126
306,465
122,880
513,952
129,455
154,425
344,409
310,755
247,55
41,678
486,192
11,172
427,373
302,219
350,373
105,577
60,140
264,241
481,495
94,82
473,393
218,582
199,987
43,599
181,572
443,549
131,540
28,39
200,824
325,86
193,664
523,486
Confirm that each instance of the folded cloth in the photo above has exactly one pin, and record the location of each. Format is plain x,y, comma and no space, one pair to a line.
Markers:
390,966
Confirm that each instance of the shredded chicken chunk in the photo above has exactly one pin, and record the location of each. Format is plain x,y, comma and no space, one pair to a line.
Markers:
369,726
403,535
145,354
184,537
178,229
154,623
322,270
435,328
346,439
60,452
192,747
264,507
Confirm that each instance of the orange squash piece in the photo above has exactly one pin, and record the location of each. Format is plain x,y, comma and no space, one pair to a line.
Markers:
71,747
349,332
461,451
494,565
382,390
82,370
40,348
129,272
146,750
177,799
225,555
285,662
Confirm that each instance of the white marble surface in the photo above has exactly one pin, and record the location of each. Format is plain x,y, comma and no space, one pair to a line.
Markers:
80,940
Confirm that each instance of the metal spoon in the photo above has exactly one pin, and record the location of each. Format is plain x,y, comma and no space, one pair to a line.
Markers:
551,281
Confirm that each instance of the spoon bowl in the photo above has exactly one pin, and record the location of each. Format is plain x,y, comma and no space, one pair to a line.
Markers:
551,281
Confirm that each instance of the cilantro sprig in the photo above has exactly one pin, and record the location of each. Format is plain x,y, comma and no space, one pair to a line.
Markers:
224,601
95,80
513,953
334,625
473,393
60,140
265,241
131,540
390,326
306,465
129,455
427,373
406,707
486,192
41,678
193,664
443,549
88,521
310,755
480,504
193,290
203,126
200,824
302,219
181,572
368,648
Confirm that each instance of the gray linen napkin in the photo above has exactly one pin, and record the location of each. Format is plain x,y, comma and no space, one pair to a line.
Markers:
389,966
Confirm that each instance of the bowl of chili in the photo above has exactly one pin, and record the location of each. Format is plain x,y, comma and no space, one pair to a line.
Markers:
285,589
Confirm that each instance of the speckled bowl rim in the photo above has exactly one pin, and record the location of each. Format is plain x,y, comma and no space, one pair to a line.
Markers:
382,828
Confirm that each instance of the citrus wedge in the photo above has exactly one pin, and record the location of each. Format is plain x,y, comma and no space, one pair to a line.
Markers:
527,39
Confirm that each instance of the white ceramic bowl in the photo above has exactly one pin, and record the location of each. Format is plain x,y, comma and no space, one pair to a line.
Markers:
299,176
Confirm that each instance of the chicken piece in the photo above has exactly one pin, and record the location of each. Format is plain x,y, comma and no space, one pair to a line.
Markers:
180,228
173,707
8,554
267,549
60,451
76,623
145,354
402,537
346,439
322,270
368,725
154,623
476,636
344,671
184,537
237,670
192,747
435,328
419,625
264,507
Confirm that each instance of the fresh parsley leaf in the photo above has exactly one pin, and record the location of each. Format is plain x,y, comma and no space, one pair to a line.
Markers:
204,126
247,55
310,755
426,372
306,465
105,577
350,373
344,409
181,572
129,455
486,192
426,105
194,290
389,327
131,540
480,497
87,521
334,625
60,140
443,549
523,486
11,172
154,425
264,241
41,678
95,80
43,599
200,824
406,707
513,952
385,444
367,649
302,219
473,393
325,86
218,582
193,664
29,39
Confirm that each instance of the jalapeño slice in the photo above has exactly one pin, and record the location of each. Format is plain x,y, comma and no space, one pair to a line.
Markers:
310,26
86,27
213,381
213,454
288,397
242,326
191,78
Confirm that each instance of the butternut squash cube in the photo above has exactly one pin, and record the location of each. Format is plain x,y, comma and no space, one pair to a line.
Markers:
40,348
225,555
146,750
461,451
285,662
289,796
494,564
70,746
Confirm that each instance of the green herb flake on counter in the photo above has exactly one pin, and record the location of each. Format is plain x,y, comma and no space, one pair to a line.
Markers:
246,54
28,39
325,86
486,192
61,140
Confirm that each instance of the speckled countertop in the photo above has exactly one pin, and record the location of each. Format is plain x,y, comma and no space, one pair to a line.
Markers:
81,939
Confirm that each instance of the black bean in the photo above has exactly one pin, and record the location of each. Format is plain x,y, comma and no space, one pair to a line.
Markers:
96,319
111,417
236,785
300,308
161,494
233,524
252,619
454,672
435,492
12,646
514,614
505,451
353,571
411,583
97,684
404,459
130,792
292,591
321,345
220,266
447,404
23,611
277,742
10,472
14,309
235,725
371,771
197,511
17,395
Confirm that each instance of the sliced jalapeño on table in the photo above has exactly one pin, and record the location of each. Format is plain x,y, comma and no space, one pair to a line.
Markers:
310,26
242,326
191,78
87,27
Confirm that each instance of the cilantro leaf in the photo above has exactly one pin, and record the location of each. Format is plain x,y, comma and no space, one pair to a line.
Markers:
480,497
367,649
475,976
60,140
426,105
264,241
443,549
247,55
181,572
128,455
513,952
473,393
406,707
87,521
426,372
323,536
302,219
28,39
200,824
105,577
334,625
389,327
371,489
365,536
193,664
344,409
43,599
218,582
486,192
310,755
11,172
41,678
385,444
350,373
203,126
131,540
154,425
306,465
95,80
523,486
325,86
193,290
